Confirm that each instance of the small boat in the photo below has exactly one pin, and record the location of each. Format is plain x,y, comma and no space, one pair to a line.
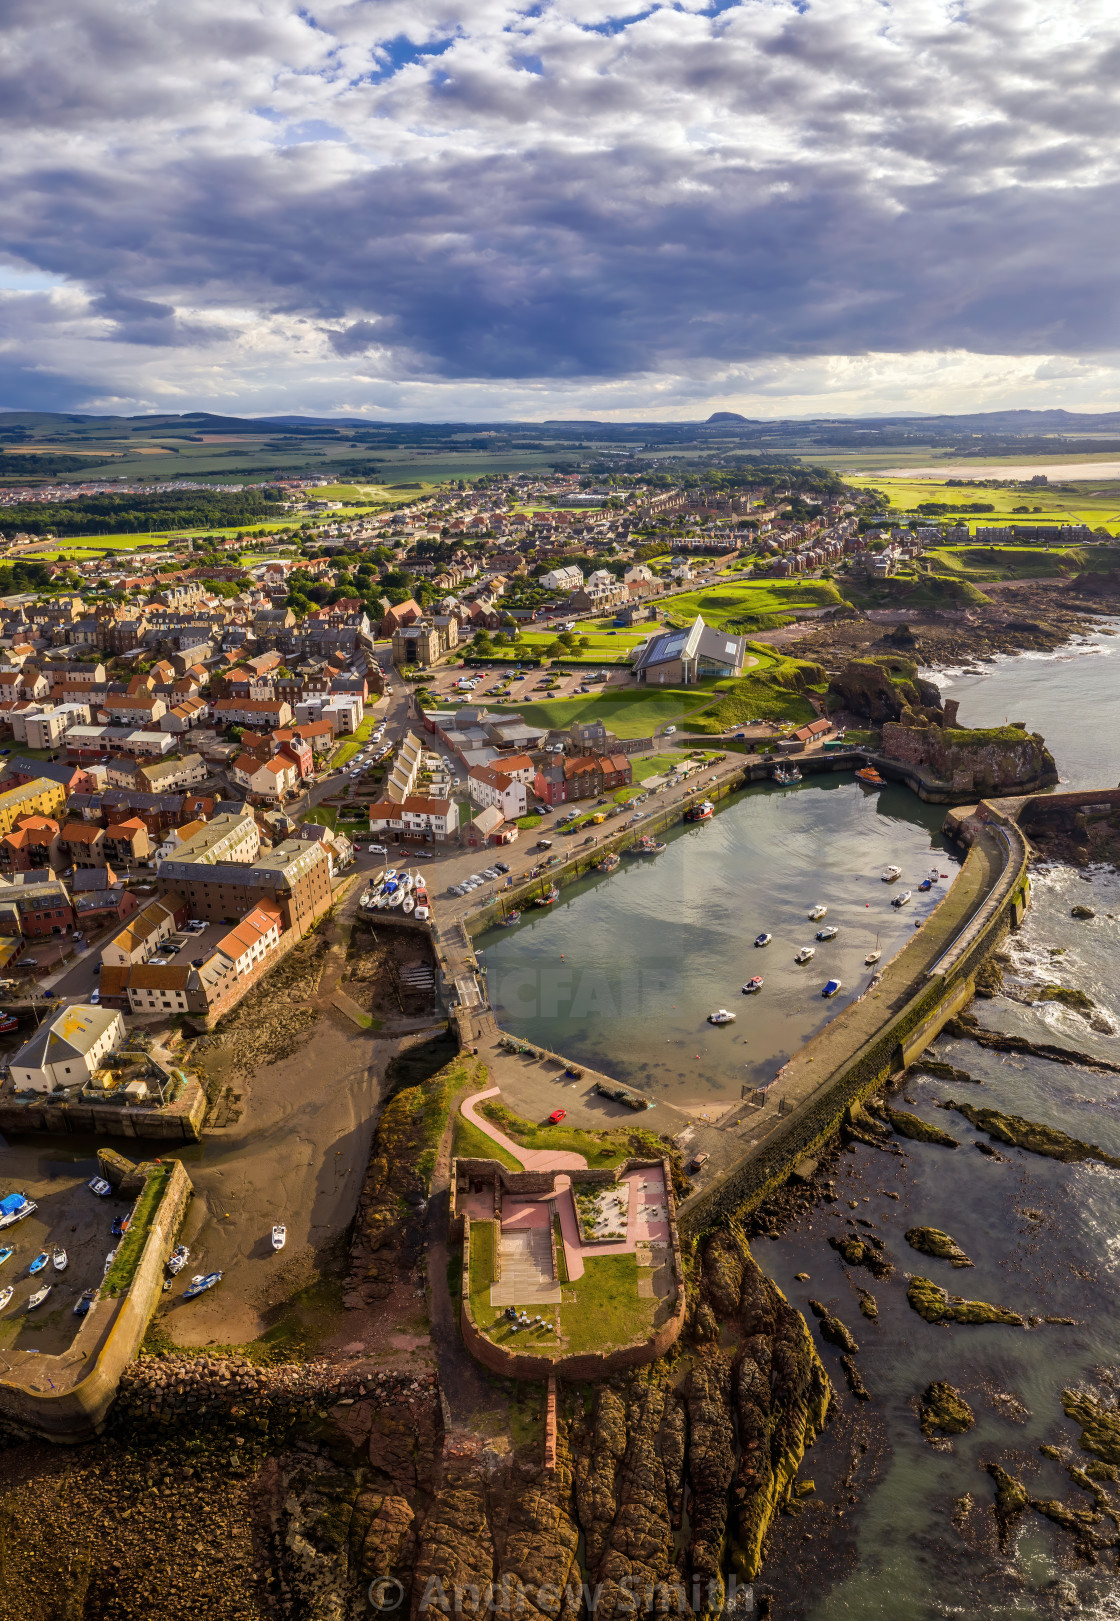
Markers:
178,1259
5,1296
925,886
8,1021
39,1296
279,1236
397,898
934,875
700,813
763,939
869,774
98,1185
831,988
121,1224
900,900
817,913
806,954
199,1284
14,1208
84,1302
872,957
61,1260
550,896
721,1016
890,874
609,862
109,1259
511,918
39,1262
408,904
828,933
6,1254
753,984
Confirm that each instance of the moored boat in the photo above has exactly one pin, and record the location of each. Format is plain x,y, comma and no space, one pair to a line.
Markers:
200,1283
109,1259
872,958
8,1021
901,900
817,913
6,1254
513,916
61,1260
14,1208
39,1262
763,939
39,1296
609,862
700,813
178,1259
828,933
721,1016
84,1301
5,1296
550,896
753,984
806,954
98,1185
869,775
890,874
925,886
831,988
279,1236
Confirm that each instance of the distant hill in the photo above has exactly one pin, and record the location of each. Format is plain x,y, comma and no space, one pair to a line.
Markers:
727,416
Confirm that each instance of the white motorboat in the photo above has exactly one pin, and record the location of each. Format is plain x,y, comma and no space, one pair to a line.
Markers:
61,1260
397,898
178,1259
5,1296
14,1208
109,1259
806,954
98,1185
900,900
829,932
753,984
721,1016
408,904
279,1236
763,939
39,1296
890,874
817,913
933,875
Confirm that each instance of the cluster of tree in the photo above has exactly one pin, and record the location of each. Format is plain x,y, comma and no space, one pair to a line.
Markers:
132,514
935,509
45,464
20,576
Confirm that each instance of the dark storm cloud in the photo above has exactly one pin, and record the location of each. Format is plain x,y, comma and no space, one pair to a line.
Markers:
552,196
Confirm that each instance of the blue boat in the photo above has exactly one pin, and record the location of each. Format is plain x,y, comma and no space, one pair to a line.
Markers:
926,884
6,1254
200,1284
14,1207
38,1263
831,988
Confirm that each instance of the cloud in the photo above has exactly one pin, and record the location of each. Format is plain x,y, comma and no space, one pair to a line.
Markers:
561,202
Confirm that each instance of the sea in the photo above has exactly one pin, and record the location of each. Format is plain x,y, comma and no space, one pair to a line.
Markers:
899,1527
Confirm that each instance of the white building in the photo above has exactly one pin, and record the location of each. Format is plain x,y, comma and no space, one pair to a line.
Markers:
66,1050
568,578
487,786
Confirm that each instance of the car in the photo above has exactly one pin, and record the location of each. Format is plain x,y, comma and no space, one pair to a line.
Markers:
696,1162
501,866
556,1116
455,889
669,730
490,872
95,998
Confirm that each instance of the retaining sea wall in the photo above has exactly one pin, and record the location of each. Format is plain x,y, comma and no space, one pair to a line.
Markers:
179,1122
65,1398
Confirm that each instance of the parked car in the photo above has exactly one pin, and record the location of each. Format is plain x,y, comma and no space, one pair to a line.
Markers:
556,1116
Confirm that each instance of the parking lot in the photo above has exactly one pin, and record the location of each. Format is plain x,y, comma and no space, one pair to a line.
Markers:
510,686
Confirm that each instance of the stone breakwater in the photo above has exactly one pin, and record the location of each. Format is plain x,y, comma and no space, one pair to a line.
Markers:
167,1389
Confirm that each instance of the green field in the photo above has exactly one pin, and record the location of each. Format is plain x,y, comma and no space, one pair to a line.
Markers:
608,646
635,712
1098,506
753,604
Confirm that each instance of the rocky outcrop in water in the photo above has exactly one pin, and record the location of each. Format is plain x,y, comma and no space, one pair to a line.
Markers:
1033,1136
942,1408
936,1305
832,1329
1100,1424
863,1251
910,1125
932,1241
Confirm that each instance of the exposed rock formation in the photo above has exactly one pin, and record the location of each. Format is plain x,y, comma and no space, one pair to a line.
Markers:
932,1241
942,1407
1033,1136
1100,1425
832,1329
910,1125
936,1305
994,760
857,1251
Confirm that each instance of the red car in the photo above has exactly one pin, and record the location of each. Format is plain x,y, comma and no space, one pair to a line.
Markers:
556,1116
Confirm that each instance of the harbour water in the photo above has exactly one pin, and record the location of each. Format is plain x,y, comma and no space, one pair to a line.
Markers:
623,972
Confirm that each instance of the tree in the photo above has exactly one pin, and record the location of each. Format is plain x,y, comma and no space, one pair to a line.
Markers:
555,648
585,644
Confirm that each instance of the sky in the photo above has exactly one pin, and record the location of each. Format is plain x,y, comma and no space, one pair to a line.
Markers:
584,208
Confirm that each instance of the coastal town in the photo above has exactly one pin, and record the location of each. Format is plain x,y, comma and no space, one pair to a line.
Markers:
265,800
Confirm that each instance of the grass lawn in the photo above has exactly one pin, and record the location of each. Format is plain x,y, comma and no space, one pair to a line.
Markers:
470,1143
528,823
323,816
1085,502
606,1311
353,744
608,645
131,1246
632,712
489,1318
774,689
752,604
604,1149
1006,562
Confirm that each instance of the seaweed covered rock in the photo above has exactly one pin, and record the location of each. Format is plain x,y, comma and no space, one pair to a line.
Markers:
1083,914
832,1329
936,1305
855,1379
941,1407
942,1071
909,1125
1033,1136
858,1251
932,1241
1069,996
1100,1425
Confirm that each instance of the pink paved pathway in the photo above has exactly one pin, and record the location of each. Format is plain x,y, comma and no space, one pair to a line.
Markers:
647,1216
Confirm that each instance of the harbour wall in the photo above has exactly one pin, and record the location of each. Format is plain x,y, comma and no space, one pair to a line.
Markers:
179,1122
66,1398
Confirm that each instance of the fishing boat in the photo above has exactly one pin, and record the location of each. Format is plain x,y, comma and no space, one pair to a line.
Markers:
550,896
817,913
5,1296
61,1260
828,933
890,874
98,1185
721,1016
753,984
6,1254
279,1236
900,900
397,897
38,1263
806,954
408,904
200,1283
8,1021
763,939
869,775
39,1296
700,813
513,916
178,1259
84,1301
609,862
831,988
14,1208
